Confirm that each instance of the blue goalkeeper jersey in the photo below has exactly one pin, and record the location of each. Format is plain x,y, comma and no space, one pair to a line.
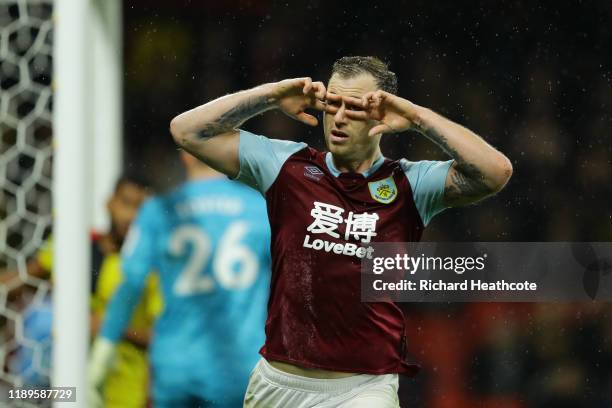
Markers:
209,241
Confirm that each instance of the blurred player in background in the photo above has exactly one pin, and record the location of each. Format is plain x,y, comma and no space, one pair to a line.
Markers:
126,385
323,346
209,241
127,382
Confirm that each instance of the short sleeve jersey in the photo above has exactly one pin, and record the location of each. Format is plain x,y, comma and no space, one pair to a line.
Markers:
322,222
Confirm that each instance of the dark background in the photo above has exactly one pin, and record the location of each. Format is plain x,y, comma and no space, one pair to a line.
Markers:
533,78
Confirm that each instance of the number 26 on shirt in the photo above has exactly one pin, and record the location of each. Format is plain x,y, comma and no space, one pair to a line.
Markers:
234,265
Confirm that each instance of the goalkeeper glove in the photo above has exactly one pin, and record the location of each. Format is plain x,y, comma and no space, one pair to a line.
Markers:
101,361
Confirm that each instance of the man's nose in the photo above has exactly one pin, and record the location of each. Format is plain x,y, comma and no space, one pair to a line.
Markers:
340,116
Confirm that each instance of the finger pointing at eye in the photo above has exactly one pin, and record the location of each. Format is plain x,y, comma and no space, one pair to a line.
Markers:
333,97
353,102
356,115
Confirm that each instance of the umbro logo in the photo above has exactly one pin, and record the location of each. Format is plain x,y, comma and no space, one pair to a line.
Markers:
313,173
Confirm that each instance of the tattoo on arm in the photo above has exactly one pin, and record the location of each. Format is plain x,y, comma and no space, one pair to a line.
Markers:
234,117
467,181
466,185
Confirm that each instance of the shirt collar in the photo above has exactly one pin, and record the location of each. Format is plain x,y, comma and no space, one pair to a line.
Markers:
332,168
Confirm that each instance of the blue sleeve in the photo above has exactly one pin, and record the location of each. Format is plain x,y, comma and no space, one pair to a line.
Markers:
261,159
427,179
137,260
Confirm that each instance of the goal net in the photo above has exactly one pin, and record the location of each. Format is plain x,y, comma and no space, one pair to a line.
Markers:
25,188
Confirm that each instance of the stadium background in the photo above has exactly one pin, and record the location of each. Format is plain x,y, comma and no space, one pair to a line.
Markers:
533,78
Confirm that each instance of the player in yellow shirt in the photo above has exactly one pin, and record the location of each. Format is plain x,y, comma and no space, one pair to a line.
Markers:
127,384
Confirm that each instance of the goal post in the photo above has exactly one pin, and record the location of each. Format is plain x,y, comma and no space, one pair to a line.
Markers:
87,130
71,195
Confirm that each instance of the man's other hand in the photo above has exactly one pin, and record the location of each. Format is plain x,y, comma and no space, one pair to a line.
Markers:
294,96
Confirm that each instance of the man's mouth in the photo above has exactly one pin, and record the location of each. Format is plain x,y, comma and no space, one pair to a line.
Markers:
337,135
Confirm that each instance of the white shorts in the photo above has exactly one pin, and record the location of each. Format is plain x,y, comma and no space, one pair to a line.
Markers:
272,388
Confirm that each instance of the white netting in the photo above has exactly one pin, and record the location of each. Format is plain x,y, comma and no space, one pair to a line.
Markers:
25,186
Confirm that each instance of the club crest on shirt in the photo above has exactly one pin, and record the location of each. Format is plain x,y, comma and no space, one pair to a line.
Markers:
384,191
313,173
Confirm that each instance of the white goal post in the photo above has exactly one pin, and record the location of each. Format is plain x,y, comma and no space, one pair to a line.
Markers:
87,155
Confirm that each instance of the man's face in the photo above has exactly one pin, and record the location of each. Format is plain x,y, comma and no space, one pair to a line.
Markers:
123,207
347,138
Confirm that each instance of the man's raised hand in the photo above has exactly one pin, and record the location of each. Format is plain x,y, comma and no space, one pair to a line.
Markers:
395,114
294,96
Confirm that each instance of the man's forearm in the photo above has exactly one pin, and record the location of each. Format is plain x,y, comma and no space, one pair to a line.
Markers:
221,115
210,131
481,169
